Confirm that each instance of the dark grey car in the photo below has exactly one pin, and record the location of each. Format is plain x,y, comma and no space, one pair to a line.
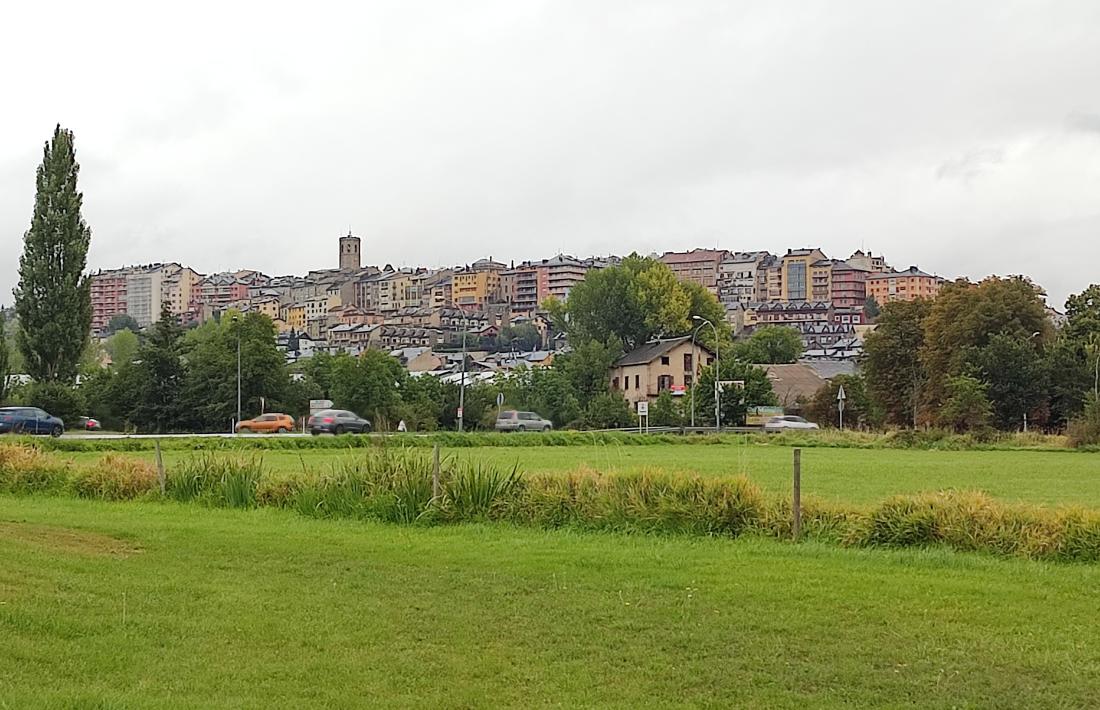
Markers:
337,421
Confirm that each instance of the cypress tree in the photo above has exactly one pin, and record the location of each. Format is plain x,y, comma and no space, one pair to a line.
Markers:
53,298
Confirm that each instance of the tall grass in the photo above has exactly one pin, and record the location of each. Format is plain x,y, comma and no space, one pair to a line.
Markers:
223,481
396,485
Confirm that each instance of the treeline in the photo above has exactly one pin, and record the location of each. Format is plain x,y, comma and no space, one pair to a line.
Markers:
980,357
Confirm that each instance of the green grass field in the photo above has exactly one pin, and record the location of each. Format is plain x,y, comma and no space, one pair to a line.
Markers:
164,605
860,476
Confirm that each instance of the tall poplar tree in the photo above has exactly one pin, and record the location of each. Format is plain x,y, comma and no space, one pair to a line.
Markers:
5,360
53,298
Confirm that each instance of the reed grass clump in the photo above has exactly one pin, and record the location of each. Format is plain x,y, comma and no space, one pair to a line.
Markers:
223,481
25,469
114,477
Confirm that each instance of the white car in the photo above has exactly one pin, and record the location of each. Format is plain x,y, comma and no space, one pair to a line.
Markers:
788,422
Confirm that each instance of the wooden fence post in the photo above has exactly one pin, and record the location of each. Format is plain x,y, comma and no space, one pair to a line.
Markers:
160,468
796,497
435,471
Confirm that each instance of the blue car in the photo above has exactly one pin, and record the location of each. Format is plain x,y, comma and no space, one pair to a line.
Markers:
29,420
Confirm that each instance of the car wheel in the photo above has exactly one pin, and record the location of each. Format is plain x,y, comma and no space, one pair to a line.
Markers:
338,430
281,430
313,432
244,430
546,428
56,431
521,428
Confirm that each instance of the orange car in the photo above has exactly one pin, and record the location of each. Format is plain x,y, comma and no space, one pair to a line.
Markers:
267,424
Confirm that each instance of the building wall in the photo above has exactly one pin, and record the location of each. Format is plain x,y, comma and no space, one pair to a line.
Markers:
143,297
646,382
476,288
902,287
797,274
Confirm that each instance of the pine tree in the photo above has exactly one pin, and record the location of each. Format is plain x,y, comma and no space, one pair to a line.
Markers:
53,298
161,375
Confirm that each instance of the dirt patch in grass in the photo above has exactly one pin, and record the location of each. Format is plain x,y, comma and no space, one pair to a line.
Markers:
70,540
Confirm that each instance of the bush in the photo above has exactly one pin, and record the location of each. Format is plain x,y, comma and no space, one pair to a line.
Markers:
1085,429
58,399
608,411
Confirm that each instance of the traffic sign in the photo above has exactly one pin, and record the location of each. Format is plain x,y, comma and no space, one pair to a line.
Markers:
643,409
840,396
500,399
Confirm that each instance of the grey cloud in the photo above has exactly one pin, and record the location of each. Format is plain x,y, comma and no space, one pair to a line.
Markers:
446,131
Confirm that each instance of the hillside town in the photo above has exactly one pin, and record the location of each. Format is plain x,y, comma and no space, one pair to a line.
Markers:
423,313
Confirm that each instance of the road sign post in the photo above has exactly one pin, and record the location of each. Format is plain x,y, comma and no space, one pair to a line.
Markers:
840,397
643,416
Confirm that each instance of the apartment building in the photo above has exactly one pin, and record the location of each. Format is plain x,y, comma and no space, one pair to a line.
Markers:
821,279
700,266
868,261
217,291
740,278
140,291
794,312
907,285
179,283
797,268
476,289
848,284
108,290
522,289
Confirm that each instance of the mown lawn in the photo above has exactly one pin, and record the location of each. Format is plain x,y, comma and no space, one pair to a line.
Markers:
860,476
163,605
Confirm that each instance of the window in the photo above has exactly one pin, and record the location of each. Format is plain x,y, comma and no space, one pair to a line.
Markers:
626,382
637,382
687,380
687,362
664,383
614,383
664,359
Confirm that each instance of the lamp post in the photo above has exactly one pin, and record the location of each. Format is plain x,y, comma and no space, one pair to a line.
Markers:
462,380
694,369
717,373
237,322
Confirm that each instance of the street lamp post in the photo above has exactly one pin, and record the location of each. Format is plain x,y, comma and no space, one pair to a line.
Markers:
717,373
462,380
237,322
694,369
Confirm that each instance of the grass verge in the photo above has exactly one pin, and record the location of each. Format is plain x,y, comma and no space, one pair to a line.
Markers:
166,606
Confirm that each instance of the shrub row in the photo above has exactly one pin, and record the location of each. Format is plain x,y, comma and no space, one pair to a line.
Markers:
902,439
396,485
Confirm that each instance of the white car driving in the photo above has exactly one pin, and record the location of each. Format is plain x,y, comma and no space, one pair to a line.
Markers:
788,422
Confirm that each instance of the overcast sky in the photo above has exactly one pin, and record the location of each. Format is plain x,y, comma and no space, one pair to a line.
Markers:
963,137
